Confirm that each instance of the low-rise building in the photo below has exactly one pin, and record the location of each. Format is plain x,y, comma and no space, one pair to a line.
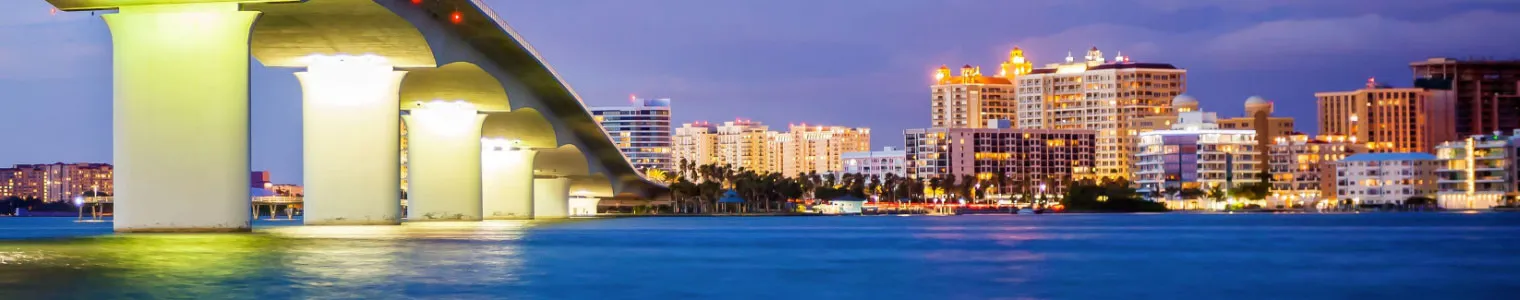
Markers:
1303,168
1195,155
1385,178
1031,161
1476,172
876,163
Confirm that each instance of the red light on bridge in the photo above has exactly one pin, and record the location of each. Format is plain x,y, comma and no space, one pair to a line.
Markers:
416,1
456,17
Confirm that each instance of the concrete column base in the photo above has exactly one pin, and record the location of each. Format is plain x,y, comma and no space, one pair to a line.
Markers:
506,181
350,132
551,198
443,152
180,122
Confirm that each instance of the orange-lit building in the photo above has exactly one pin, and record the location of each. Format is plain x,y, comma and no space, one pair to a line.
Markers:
1303,168
1388,119
970,99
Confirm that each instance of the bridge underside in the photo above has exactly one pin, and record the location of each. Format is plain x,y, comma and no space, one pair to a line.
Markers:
493,133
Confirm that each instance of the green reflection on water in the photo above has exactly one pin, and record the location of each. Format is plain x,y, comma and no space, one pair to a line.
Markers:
293,261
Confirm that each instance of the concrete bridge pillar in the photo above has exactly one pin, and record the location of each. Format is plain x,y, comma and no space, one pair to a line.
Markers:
349,135
506,179
180,122
443,152
551,198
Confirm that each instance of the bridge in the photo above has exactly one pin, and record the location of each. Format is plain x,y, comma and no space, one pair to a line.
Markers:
491,130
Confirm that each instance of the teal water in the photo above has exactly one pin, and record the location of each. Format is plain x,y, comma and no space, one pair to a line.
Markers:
1158,256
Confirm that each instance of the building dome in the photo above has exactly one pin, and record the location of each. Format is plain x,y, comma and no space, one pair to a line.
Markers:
1257,103
1184,100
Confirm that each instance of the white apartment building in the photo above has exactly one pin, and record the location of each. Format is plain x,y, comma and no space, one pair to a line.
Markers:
1096,94
1385,178
1195,154
876,163
1476,172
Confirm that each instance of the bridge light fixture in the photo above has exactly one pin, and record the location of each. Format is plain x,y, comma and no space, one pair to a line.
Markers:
456,17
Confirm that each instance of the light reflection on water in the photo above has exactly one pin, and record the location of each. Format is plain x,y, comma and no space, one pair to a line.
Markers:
1446,256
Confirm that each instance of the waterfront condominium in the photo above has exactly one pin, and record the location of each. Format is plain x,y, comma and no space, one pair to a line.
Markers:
1195,155
971,99
1303,168
807,149
1388,119
1385,178
695,144
746,144
752,146
55,182
1096,94
1027,161
641,131
877,164
1476,172
1485,91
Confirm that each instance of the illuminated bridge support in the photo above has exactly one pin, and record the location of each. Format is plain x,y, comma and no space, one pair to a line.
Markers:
551,198
349,140
506,179
180,123
443,154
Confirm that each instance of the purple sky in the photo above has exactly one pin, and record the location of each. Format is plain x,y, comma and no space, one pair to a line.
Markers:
832,62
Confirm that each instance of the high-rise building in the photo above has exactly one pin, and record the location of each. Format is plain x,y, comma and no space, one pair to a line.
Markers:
1303,168
641,131
55,182
876,163
1032,161
1107,97
1196,154
1477,172
1485,91
746,144
1388,119
971,99
807,149
695,144
1385,178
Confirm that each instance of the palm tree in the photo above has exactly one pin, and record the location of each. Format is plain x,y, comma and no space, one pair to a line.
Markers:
935,184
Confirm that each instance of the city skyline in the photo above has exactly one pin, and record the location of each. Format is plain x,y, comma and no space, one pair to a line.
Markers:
57,66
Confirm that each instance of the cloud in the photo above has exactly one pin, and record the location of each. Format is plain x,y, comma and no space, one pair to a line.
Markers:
1277,42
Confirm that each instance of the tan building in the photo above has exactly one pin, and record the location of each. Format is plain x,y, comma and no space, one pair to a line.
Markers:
1259,117
971,99
1107,97
694,143
808,149
1303,168
745,144
55,182
1388,119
